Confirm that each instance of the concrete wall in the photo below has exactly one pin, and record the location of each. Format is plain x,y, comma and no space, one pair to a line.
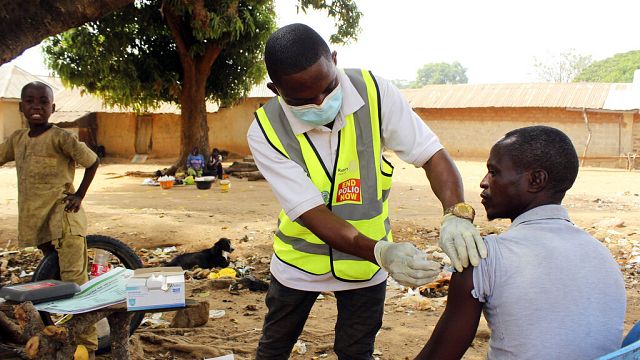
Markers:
466,133
10,119
165,137
472,132
228,127
116,132
227,130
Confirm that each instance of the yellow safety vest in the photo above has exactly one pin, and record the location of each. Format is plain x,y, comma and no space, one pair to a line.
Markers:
357,191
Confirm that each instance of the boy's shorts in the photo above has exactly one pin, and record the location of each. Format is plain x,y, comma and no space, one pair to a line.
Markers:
74,267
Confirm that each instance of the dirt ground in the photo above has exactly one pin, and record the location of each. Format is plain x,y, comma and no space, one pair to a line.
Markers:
149,217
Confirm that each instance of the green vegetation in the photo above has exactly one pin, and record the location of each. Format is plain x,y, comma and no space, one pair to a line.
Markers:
562,68
441,73
618,68
180,51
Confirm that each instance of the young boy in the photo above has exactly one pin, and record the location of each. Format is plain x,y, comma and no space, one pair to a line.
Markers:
50,215
547,288
214,165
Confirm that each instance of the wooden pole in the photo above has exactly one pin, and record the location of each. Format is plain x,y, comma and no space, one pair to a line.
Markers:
586,146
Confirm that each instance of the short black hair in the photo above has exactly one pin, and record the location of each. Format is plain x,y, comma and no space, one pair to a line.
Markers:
35,84
292,49
546,148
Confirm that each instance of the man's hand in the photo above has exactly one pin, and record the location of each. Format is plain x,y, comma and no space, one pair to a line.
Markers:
405,263
461,241
73,202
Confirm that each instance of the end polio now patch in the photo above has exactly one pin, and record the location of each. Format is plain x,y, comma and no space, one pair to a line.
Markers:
349,190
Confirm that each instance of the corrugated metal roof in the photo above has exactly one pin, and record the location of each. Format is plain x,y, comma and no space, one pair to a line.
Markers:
75,100
67,116
13,78
549,95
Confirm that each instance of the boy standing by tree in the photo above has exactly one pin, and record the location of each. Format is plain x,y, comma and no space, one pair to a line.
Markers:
50,215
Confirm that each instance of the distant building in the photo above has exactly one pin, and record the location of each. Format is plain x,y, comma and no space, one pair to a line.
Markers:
122,131
602,119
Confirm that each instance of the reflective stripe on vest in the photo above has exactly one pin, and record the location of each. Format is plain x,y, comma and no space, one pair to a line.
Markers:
357,190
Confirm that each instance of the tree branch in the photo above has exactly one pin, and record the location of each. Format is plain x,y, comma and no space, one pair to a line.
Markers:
200,13
206,61
22,27
176,26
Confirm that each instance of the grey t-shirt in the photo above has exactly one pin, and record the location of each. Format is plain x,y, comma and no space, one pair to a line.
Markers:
550,290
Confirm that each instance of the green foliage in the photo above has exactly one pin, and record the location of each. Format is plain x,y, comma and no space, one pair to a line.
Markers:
345,12
562,68
618,68
441,73
130,58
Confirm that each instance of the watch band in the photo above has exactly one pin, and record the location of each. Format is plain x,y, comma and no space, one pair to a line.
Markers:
462,210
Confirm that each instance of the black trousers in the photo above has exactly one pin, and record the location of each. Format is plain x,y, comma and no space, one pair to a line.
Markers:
359,319
216,170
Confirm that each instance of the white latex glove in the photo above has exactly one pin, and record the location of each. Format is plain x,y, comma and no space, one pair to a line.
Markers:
461,241
405,263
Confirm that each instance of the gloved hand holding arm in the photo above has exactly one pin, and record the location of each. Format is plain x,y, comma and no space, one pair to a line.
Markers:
459,239
406,263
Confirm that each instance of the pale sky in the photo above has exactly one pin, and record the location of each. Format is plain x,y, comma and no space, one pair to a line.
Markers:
495,40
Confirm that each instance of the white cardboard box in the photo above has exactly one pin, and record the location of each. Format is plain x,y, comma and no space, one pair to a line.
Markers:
155,288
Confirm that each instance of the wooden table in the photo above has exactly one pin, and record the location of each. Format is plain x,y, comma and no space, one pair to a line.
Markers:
117,315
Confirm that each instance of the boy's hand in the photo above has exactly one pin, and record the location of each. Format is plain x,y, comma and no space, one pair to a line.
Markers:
73,202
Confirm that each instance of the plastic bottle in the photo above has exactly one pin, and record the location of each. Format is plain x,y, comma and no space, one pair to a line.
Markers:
100,264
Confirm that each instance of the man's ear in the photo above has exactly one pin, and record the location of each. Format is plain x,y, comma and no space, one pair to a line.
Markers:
273,88
537,180
53,108
334,57
20,107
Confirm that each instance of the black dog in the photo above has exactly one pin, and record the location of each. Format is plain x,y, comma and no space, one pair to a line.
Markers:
217,256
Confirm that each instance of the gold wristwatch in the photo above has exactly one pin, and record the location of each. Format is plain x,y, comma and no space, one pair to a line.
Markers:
462,210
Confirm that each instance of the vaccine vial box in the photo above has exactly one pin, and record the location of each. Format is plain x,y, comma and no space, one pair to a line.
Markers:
156,288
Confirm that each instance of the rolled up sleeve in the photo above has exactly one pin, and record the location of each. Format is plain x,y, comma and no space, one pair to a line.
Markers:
485,273
403,131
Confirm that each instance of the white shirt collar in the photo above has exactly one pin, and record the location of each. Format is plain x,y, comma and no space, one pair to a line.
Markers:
351,102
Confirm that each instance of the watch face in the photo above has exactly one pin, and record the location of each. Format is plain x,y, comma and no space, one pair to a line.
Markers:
464,210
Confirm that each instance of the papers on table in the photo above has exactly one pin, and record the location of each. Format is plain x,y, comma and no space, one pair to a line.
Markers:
102,291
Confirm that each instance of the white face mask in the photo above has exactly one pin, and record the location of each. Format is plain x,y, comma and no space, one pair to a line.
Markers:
318,115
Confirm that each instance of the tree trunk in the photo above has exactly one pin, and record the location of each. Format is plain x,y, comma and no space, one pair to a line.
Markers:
25,24
195,71
193,106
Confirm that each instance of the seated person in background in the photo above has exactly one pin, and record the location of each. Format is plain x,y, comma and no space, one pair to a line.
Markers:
214,164
547,288
195,163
